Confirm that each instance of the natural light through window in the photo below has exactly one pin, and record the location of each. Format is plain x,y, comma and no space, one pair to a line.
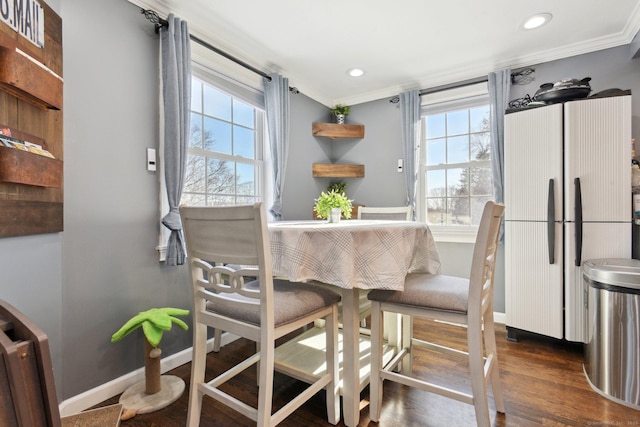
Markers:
456,163
225,149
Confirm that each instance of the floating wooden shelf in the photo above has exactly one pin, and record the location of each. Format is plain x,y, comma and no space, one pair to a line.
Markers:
333,130
335,170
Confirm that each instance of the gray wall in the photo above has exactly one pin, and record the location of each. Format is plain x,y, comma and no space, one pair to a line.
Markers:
83,284
110,268
378,151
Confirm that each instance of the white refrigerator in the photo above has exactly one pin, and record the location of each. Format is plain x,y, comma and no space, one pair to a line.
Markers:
567,184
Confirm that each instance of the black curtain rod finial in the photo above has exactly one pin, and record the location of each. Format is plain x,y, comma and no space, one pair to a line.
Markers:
153,17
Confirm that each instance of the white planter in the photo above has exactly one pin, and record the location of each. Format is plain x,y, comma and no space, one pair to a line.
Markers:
335,214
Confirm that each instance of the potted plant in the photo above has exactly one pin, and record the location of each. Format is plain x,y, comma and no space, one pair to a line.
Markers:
338,187
340,112
332,200
136,399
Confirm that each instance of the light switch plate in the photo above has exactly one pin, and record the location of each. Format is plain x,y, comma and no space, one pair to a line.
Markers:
151,159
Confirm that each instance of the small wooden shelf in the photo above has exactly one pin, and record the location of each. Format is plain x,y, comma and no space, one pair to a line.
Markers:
24,167
27,80
334,130
336,170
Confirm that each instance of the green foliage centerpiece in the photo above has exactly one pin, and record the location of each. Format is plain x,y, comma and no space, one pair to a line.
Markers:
332,199
340,112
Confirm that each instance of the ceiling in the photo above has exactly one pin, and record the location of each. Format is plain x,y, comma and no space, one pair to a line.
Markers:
402,44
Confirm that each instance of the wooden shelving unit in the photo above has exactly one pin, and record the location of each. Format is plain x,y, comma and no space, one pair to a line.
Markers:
31,100
334,131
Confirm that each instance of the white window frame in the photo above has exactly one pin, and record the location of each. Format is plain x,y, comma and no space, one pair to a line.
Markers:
449,100
254,98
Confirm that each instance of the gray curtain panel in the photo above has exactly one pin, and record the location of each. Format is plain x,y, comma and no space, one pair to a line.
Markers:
499,85
176,102
410,122
276,100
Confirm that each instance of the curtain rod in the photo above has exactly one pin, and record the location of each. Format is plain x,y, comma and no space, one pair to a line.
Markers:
514,76
154,18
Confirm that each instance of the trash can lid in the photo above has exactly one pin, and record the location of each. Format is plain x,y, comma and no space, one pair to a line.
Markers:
614,271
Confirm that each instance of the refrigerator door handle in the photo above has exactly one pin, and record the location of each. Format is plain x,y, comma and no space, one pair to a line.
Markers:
578,214
551,223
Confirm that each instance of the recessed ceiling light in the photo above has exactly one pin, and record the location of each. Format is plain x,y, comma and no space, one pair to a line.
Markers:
355,72
536,21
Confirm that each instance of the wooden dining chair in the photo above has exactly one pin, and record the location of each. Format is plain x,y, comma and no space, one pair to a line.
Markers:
450,299
218,240
399,213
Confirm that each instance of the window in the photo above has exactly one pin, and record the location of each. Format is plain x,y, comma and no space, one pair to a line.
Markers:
225,153
456,178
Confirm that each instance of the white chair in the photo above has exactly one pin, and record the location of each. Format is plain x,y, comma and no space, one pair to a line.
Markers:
399,213
452,299
262,310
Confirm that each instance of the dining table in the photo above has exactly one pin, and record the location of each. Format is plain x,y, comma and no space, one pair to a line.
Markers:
351,256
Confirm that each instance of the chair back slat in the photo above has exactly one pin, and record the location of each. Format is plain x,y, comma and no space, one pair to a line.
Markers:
399,213
484,259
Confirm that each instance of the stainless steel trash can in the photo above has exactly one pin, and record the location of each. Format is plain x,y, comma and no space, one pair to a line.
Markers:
612,352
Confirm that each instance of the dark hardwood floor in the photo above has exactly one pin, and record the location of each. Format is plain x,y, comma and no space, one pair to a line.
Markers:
543,385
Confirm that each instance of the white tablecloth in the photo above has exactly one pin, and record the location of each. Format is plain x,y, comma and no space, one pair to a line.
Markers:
363,254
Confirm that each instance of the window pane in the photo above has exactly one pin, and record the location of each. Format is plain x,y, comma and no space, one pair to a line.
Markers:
196,95
479,119
220,176
217,136
195,138
458,182
454,140
481,146
436,126
246,200
458,122
436,152
477,206
216,103
245,178
244,142
243,114
225,157
219,200
436,184
192,199
436,211
194,175
481,182
458,149
459,209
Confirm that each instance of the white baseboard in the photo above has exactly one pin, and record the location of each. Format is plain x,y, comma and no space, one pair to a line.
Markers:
116,386
500,318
